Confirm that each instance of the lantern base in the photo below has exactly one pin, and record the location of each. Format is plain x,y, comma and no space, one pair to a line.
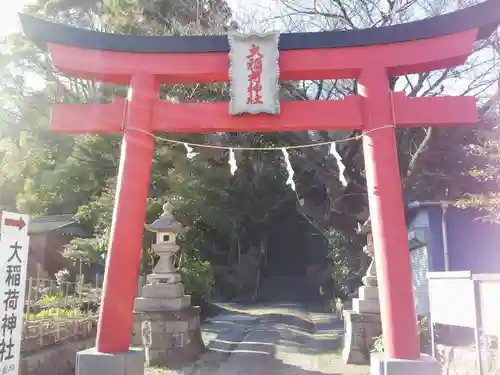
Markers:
162,304
361,329
170,338
367,306
164,278
163,290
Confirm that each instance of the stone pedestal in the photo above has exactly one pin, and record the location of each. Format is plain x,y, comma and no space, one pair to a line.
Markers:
91,362
367,301
426,365
361,329
165,323
362,323
170,337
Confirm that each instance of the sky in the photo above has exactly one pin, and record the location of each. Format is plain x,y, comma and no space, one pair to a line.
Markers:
9,21
248,12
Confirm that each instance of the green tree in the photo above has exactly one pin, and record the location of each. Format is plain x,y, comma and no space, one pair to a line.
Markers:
42,172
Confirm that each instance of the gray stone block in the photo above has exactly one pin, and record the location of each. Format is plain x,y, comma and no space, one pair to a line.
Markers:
185,314
381,365
165,322
179,353
366,306
136,335
368,293
156,304
165,327
164,278
171,338
360,333
163,290
91,362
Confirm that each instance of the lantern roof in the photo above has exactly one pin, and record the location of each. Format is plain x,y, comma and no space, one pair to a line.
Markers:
166,222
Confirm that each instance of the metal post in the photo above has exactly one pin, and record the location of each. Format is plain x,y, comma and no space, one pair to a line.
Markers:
478,327
28,300
432,333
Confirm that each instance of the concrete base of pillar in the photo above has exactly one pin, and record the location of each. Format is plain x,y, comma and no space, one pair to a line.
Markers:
381,365
91,362
360,333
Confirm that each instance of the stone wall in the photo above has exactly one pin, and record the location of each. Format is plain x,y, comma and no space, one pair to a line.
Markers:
55,360
170,337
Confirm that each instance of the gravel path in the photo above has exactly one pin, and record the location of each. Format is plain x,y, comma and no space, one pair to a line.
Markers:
272,340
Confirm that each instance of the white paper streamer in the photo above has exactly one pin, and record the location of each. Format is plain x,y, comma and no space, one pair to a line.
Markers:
340,164
190,153
289,169
232,161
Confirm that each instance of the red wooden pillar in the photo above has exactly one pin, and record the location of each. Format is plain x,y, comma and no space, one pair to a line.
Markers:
390,240
124,252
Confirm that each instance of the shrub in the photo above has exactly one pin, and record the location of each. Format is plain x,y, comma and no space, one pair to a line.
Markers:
47,300
62,277
54,313
423,329
197,276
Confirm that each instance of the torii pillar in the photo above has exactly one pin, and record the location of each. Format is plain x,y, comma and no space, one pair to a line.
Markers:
144,63
385,199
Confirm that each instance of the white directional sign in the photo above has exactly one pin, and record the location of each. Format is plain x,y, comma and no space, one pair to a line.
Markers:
14,246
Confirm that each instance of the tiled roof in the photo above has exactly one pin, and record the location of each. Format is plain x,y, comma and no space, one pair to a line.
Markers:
66,223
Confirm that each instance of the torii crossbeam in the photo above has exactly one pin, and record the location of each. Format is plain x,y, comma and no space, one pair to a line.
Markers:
369,55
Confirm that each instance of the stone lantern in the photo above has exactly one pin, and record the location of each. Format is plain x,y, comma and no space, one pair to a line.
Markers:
362,323
165,276
165,323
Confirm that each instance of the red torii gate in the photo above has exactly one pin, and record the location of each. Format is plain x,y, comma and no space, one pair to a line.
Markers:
370,55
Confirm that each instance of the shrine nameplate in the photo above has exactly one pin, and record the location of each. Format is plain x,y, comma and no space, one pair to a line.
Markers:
254,73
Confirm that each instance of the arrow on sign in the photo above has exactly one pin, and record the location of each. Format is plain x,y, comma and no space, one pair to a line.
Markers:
20,224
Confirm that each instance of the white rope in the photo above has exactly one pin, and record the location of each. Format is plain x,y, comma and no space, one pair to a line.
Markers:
284,149
277,148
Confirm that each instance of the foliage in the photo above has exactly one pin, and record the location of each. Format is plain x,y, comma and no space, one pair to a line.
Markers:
55,313
47,300
62,276
348,263
46,173
378,344
197,276
486,170
424,332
